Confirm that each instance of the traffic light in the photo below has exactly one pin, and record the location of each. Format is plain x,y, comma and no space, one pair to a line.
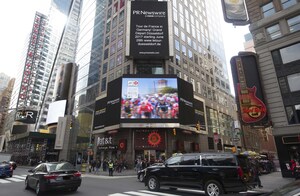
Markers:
174,131
233,149
71,124
198,126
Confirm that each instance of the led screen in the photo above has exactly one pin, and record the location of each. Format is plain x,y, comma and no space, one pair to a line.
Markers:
149,98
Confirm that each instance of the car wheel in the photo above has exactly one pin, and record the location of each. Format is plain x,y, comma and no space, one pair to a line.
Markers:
38,189
26,184
141,177
153,183
213,188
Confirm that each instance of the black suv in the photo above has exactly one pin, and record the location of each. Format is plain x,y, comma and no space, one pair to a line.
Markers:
215,173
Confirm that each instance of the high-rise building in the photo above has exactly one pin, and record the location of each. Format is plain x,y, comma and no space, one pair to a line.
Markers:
194,53
4,80
275,27
63,30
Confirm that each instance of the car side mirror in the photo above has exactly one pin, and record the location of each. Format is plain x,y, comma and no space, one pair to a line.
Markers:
30,171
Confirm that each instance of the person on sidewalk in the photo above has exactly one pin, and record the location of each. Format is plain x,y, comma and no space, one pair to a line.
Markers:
98,165
255,172
110,168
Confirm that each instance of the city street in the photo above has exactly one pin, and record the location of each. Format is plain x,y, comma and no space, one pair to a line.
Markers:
123,184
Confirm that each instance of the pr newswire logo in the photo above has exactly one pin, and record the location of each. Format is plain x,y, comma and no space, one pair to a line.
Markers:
150,14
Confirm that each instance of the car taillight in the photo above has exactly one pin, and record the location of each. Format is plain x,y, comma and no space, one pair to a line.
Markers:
77,174
240,172
50,176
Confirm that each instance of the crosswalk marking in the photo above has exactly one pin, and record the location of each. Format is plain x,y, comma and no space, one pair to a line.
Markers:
4,181
14,179
162,194
142,193
21,177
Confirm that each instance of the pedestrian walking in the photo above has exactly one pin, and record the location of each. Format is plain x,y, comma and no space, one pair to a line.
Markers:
98,165
255,172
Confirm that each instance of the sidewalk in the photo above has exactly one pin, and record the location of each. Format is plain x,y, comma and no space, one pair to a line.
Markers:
273,181
127,172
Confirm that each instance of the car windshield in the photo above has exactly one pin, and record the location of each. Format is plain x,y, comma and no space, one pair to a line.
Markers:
59,166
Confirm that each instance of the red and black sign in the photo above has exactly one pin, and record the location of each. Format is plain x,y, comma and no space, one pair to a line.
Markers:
248,89
146,139
122,145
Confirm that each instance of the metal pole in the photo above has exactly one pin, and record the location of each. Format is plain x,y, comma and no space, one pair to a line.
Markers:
90,138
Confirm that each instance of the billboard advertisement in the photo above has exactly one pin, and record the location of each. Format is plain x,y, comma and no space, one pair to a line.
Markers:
56,109
100,114
148,31
248,89
186,102
149,98
199,114
26,116
235,12
113,102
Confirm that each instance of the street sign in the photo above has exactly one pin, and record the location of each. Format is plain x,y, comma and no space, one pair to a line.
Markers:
235,139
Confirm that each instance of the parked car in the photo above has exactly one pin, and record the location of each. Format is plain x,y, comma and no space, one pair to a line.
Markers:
6,170
53,176
215,173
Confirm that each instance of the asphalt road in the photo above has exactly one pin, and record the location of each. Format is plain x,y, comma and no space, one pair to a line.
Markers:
93,186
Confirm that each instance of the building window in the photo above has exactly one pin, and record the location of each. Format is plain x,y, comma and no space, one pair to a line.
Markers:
294,23
183,50
112,63
290,54
121,17
107,40
177,60
288,3
176,31
177,46
274,32
294,82
103,84
293,114
268,9
211,144
171,69
113,49
108,27
120,44
104,68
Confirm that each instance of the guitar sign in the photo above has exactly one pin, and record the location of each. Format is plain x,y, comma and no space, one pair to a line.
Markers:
252,108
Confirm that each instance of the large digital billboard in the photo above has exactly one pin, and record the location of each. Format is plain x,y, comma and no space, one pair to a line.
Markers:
149,98
148,32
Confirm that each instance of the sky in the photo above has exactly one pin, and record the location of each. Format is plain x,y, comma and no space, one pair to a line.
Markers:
16,19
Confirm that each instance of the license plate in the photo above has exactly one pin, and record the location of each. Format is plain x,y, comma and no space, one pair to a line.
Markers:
59,178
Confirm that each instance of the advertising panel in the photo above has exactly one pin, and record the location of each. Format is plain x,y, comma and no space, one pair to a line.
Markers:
148,33
186,102
149,98
235,12
248,89
199,114
149,139
56,109
26,116
113,103
100,114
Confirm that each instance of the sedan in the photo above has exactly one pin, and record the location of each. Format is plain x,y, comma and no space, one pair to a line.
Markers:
53,176
6,170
